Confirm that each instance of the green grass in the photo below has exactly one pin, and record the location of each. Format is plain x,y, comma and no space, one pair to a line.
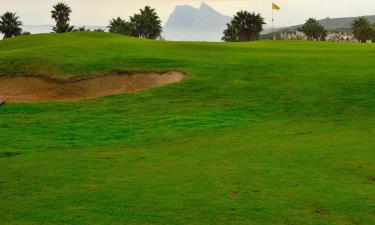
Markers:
257,133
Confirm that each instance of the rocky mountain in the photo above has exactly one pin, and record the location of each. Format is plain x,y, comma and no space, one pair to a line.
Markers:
187,23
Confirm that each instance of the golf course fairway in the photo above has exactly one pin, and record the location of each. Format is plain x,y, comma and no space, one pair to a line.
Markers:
255,133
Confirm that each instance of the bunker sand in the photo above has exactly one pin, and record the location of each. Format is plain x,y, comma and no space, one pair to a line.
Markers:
39,89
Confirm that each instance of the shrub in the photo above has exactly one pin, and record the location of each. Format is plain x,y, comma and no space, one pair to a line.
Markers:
314,30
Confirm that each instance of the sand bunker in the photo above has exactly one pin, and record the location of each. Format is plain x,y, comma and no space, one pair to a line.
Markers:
36,89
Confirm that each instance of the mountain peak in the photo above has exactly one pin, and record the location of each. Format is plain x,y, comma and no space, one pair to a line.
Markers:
205,7
183,7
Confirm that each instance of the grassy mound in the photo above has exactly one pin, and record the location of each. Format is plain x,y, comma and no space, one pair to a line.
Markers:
257,133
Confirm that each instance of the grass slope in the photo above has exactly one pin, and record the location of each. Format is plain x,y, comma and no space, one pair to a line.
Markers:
257,133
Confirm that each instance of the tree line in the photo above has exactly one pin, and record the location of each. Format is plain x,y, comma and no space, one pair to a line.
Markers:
244,26
247,26
145,24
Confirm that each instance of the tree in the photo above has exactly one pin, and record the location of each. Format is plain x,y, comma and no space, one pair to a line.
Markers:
230,34
10,25
60,14
362,29
120,26
244,26
146,24
314,30
115,25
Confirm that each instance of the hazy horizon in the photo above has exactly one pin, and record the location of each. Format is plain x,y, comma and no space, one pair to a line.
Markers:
99,12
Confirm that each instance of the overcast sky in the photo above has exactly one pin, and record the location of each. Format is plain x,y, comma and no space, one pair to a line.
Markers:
99,12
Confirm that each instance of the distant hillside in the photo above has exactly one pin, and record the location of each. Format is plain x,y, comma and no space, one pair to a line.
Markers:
342,23
331,24
187,23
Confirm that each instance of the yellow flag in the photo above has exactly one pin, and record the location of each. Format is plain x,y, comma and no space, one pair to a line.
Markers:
275,7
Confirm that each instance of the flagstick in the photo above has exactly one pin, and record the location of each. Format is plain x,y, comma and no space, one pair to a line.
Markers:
272,27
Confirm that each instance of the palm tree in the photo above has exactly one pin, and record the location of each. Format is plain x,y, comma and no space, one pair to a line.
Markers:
119,26
60,14
244,26
230,34
146,24
362,29
62,28
10,25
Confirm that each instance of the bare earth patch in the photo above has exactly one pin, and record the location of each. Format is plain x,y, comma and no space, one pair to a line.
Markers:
38,89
